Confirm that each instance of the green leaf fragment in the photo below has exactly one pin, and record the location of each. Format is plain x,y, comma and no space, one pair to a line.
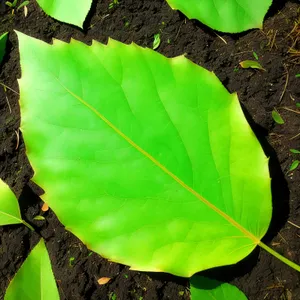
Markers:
298,104
113,3
9,4
112,296
9,207
277,117
255,55
294,165
143,152
203,288
35,279
3,40
71,261
297,75
156,41
295,151
246,64
39,218
23,4
68,11
227,16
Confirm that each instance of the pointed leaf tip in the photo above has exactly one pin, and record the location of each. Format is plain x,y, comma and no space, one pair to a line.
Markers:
34,279
68,11
9,206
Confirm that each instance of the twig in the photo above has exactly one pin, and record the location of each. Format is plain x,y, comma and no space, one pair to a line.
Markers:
179,30
292,98
242,52
7,87
273,41
294,137
9,107
292,110
286,83
220,37
18,139
293,224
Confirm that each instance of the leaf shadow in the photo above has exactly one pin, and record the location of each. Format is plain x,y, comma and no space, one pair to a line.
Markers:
89,16
276,7
167,277
30,203
279,186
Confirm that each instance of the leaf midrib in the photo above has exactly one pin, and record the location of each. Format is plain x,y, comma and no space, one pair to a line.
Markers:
11,216
163,168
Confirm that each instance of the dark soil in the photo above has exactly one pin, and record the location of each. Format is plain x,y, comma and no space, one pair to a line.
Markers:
260,276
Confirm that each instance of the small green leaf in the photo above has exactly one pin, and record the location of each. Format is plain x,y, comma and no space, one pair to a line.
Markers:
9,4
71,261
246,64
277,117
227,16
68,11
39,218
295,151
156,41
298,104
23,4
255,55
3,39
9,207
203,288
35,279
297,75
112,296
294,165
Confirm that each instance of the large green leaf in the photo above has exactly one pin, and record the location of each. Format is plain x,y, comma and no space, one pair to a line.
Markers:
68,11
9,207
203,288
226,16
148,160
35,279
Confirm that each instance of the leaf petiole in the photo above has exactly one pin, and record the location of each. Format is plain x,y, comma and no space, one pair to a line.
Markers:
279,256
27,225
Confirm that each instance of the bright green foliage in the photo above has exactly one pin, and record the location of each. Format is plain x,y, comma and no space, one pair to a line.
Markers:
277,117
148,160
295,151
227,16
255,55
156,41
252,64
68,11
3,39
9,207
203,288
35,279
294,165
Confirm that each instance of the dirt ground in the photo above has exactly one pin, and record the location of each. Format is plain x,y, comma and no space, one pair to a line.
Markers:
260,276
